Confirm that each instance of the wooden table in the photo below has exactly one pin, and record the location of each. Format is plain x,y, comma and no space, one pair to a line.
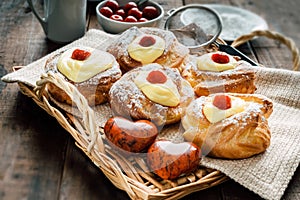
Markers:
39,159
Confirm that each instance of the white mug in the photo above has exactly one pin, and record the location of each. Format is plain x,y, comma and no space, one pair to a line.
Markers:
64,20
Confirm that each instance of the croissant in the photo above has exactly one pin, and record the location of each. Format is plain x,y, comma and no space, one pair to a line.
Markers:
235,131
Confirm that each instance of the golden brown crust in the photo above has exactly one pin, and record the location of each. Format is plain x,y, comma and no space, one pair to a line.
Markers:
240,136
95,90
241,79
173,54
127,100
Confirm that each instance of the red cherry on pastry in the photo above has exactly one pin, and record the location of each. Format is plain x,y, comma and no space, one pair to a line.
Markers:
79,54
130,136
147,41
156,77
169,160
222,102
220,58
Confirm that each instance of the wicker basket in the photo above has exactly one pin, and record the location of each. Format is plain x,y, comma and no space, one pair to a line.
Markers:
129,174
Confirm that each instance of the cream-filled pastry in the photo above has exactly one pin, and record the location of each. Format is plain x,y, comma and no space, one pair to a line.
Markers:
151,92
229,125
92,71
139,46
81,64
219,72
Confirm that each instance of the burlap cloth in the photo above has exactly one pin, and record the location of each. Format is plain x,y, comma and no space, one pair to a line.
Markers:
267,174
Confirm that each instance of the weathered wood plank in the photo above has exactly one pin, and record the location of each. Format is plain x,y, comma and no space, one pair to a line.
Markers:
31,147
83,180
31,142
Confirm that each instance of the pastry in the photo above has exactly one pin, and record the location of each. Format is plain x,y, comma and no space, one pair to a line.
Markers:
92,71
219,72
139,46
151,92
229,125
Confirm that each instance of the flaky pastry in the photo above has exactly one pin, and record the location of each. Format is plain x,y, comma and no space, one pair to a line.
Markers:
92,72
229,125
219,72
151,92
139,46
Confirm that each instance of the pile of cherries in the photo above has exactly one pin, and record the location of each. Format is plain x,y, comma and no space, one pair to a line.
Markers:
128,13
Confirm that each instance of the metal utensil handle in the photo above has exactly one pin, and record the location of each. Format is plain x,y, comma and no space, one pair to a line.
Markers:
233,51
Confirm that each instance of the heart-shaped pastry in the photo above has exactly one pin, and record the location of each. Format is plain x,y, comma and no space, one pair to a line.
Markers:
169,160
131,136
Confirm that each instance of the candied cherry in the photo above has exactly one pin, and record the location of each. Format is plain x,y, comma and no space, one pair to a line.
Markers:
106,11
135,12
150,12
147,41
113,5
130,19
129,5
79,54
116,17
221,101
142,19
156,77
220,58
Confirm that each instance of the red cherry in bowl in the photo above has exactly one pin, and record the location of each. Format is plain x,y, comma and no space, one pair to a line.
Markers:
116,17
135,12
142,19
121,12
106,11
150,12
112,5
130,19
129,5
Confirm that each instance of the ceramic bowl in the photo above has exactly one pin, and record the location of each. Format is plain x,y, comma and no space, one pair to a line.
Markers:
113,26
